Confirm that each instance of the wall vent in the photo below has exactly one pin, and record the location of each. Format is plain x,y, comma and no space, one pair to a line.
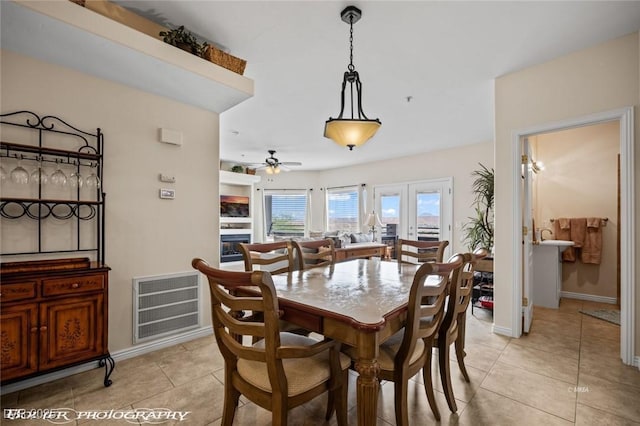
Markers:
164,305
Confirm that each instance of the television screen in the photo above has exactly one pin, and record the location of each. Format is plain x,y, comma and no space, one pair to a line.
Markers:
234,206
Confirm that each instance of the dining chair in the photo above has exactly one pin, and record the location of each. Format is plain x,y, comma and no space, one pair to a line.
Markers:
312,254
465,294
275,257
281,370
412,251
452,328
409,350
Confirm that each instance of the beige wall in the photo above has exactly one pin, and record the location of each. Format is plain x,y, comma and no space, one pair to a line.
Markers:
456,162
602,78
144,235
580,180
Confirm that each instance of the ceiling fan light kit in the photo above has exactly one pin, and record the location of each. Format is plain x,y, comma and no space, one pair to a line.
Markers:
358,129
273,166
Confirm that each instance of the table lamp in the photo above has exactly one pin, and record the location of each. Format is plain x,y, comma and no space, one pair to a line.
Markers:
372,221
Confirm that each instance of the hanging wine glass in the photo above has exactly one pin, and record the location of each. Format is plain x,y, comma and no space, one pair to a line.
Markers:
39,176
3,173
58,177
75,179
19,174
93,181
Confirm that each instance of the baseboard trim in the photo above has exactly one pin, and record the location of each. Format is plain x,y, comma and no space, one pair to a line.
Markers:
505,331
589,297
117,356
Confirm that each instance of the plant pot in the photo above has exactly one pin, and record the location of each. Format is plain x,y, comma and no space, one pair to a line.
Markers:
251,171
186,47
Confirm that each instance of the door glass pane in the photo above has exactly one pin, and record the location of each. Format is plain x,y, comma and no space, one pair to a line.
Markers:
390,211
428,216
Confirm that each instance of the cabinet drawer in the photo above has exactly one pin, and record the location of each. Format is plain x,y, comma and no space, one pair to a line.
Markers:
18,291
364,252
72,285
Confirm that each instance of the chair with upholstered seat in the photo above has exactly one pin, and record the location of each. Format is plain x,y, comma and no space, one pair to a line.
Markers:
412,251
406,352
281,370
464,298
312,254
276,257
452,329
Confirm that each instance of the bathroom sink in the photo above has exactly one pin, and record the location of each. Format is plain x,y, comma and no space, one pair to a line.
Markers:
561,244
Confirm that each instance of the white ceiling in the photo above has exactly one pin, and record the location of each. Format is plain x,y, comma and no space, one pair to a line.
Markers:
444,55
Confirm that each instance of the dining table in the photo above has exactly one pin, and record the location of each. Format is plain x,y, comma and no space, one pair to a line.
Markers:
360,303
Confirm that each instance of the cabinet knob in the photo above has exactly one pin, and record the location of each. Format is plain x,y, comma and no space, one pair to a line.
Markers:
75,285
34,329
43,328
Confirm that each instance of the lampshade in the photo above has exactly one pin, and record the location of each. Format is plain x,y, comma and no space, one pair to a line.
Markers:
372,220
350,132
357,129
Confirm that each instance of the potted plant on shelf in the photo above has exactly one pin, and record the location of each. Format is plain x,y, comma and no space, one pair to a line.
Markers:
237,169
478,232
183,39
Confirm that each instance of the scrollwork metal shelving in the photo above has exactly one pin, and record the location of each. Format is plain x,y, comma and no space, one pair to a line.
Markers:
82,150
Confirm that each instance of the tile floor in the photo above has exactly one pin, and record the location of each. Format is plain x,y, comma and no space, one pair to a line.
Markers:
566,371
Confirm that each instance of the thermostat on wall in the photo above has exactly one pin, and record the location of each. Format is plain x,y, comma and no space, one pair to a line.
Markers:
169,194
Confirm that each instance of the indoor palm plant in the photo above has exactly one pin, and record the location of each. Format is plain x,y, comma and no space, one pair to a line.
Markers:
479,230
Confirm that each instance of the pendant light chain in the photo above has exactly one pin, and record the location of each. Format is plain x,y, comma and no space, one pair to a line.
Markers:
351,67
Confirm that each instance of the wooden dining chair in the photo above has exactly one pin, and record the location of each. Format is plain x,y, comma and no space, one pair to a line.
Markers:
465,294
312,254
406,352
279,371
275,257
412,251
452,329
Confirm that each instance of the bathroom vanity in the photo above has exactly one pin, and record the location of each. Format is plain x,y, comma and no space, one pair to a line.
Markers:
547,272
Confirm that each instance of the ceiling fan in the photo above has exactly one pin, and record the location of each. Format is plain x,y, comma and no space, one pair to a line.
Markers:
272,165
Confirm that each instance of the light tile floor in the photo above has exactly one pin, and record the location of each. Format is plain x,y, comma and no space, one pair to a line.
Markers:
566,371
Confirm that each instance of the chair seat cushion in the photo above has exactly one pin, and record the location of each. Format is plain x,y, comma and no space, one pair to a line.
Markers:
302,373
389,349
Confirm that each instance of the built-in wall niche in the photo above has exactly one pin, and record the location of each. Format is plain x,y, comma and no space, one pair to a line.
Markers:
237,203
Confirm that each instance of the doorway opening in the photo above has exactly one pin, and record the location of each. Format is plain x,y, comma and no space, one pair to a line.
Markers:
626,223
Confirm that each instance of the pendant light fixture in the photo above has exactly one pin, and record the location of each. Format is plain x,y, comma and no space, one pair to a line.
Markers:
358,129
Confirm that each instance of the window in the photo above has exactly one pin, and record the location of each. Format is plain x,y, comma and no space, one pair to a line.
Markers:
342,209
285,213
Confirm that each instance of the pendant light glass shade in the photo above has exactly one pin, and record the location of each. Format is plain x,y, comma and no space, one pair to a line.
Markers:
358,129
350,133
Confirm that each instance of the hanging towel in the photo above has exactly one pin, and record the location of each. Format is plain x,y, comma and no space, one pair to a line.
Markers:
578,231
592,249
562,231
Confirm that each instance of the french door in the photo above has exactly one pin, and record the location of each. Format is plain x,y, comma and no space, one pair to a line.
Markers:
420,210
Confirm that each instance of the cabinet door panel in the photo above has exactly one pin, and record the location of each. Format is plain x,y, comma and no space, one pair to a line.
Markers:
19,327
72,330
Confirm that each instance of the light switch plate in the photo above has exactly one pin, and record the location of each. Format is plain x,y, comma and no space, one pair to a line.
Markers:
168,194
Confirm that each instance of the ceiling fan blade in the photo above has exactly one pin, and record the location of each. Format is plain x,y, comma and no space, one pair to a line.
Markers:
291,163
283,167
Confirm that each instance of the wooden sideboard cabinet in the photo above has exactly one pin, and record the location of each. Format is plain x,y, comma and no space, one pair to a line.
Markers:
53,314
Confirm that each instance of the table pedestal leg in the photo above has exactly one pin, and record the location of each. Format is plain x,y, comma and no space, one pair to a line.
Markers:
368,386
